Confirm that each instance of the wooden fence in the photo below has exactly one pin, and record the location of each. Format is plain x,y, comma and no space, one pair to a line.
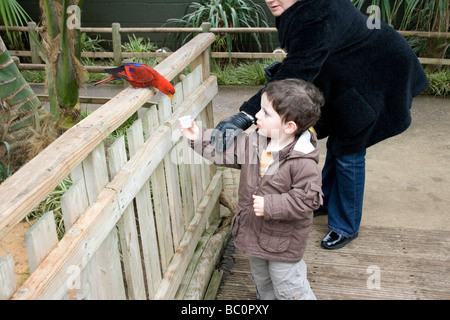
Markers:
138,208
118,55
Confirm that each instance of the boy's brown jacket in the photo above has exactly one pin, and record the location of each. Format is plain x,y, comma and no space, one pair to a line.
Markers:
291,188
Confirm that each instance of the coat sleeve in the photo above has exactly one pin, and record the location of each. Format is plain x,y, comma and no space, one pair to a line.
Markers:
231,157
301,200
308,47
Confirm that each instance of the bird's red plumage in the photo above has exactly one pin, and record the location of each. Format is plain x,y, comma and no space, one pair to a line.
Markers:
140,75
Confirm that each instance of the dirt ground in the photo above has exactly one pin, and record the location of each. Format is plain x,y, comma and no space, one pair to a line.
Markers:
14,243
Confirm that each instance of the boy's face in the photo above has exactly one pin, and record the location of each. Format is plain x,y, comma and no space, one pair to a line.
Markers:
278,7
268,121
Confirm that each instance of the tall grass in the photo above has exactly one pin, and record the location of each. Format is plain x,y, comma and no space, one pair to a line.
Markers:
439,83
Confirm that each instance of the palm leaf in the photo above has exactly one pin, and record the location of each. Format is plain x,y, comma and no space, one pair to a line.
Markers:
13,14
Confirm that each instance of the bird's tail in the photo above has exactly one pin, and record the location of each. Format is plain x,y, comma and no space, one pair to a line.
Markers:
106,80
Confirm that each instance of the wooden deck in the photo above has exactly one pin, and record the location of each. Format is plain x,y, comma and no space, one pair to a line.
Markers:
382,263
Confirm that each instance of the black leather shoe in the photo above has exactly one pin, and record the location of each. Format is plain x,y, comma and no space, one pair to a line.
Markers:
335,241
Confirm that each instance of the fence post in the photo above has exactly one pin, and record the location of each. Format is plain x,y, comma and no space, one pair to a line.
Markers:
117,44
35,58
206,26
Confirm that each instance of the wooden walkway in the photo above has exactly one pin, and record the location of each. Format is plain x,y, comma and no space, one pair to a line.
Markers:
383,263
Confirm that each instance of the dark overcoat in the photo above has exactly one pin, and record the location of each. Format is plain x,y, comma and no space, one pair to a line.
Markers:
368,75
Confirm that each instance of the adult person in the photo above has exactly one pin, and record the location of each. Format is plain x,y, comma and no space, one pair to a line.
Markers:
368,75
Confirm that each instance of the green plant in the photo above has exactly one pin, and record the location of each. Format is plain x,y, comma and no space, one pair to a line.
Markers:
33,76
12,14
249,72
439,82
139,44
91,44
64,72
225,14
20,109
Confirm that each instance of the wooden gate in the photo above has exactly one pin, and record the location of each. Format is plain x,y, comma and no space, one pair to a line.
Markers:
137,208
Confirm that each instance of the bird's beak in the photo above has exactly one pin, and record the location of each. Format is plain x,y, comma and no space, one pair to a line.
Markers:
170,96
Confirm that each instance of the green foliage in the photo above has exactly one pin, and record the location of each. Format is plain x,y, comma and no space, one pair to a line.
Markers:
225,14
439,83
91,44
250,72
12,14
33,76
139,44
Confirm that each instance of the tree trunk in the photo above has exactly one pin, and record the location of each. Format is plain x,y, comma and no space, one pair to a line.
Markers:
19,107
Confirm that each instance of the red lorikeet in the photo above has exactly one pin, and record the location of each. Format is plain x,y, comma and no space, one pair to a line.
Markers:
140,75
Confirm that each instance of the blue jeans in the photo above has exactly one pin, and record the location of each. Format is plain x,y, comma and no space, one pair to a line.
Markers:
343,190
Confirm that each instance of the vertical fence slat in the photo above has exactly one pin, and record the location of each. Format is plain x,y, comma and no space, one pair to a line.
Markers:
146,215
74,203
181,150
95,172
128,234
172,182
160,202
189,84
8,283
40,240
182,258
104,270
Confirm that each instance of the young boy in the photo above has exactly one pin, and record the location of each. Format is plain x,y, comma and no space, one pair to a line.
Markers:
280,186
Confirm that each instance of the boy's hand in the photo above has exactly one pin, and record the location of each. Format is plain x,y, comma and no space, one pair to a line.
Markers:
258,205
191,133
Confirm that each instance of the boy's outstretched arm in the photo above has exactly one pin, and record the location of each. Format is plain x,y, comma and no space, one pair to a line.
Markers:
191,133
200,142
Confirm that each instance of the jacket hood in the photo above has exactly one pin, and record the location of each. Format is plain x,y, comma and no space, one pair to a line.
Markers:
304,146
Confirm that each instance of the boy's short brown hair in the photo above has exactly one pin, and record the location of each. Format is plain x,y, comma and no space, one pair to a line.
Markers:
295,100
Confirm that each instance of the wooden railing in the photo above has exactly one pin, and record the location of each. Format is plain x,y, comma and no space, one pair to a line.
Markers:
117,55
132,224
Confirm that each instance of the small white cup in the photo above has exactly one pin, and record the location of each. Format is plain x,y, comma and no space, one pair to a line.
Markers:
186,121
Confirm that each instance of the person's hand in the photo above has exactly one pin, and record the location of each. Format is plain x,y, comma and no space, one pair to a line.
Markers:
191,133
258,205
225,132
